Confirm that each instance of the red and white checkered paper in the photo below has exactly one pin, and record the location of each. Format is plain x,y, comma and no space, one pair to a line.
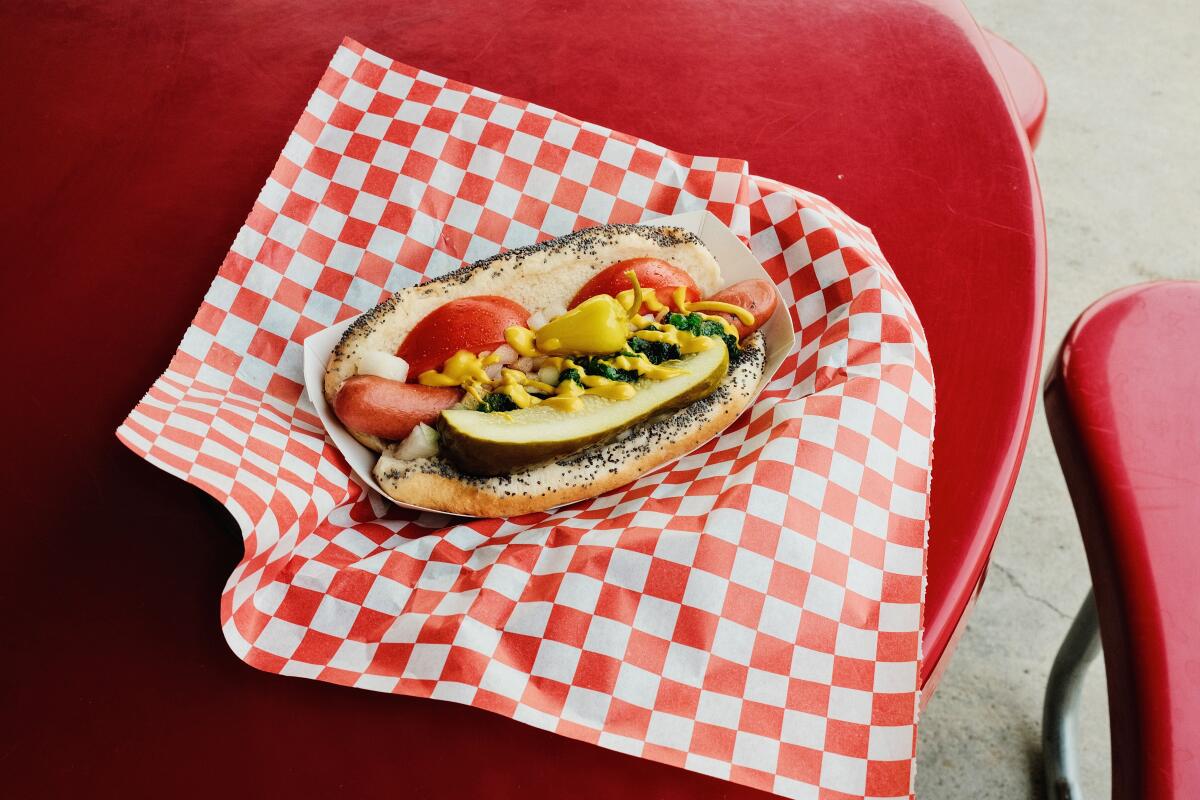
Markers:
752,611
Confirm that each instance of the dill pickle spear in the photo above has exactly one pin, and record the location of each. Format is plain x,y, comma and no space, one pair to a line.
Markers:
500,443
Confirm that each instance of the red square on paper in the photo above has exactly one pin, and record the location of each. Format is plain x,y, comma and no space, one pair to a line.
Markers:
249,305
362,147
356,232
339,198
379,182
316,246
267,346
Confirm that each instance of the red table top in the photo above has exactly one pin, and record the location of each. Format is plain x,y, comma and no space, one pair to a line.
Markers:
1121,402
137,137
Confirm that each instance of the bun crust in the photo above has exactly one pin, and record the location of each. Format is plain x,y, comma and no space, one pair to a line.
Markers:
544,278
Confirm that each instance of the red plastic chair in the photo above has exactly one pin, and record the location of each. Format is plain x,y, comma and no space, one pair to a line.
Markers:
1121,400
1027,95
1025,85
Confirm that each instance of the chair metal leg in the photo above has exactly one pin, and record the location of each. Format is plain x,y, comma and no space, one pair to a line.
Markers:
1061,708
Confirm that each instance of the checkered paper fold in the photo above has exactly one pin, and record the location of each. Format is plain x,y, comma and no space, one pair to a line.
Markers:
752,612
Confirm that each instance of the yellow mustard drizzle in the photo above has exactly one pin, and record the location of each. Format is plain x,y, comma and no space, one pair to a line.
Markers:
742,314
566,396
679,298
685,341
464,369
643,366
522,340
516,385
649,300
461,367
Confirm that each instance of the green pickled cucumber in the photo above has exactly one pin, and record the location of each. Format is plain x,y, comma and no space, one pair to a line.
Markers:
497,444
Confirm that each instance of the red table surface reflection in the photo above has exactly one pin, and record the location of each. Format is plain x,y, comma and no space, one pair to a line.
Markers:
136,137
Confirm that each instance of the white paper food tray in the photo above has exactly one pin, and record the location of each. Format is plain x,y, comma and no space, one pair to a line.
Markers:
737,264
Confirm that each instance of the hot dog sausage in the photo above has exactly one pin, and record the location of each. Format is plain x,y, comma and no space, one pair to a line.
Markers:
389,409
756,296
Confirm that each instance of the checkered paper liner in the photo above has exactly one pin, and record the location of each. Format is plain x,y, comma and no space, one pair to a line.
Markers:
751,612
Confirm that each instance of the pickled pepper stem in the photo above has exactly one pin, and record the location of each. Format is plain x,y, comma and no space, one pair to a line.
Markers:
637,295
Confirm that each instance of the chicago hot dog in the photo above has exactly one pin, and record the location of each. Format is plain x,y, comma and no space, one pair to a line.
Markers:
549,373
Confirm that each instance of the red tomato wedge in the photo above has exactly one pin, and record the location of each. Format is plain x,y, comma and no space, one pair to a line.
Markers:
470,323
756,296
652,273
389,409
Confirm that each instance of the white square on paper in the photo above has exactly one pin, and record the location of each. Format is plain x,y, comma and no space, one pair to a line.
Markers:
504,680
733,642
715,708
636,686
579,591
586,707
780,619
898,617
334,617
705,591
607,637
669,730
506,580
556,661
752,570
850,705
426,661
895,676
856,642
843,773
529,619
656,617
685,664
628,569
756,752
890,743
824,598
386,596
806,730
812,665
766,687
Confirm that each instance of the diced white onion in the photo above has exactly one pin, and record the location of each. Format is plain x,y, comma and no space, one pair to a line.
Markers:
536,320
421,443
493,371
524,363
385,365
548,374
505,354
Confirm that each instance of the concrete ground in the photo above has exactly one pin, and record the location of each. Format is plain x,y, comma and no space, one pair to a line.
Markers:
1120,172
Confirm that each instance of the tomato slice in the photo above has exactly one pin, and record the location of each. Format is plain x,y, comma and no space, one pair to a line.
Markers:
756,296
470,323
652,273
